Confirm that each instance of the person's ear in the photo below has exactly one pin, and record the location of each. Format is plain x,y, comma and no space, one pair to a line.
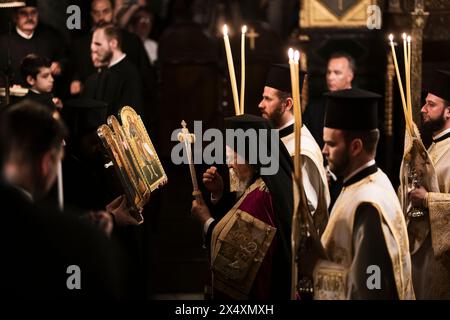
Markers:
289,104
356,147
113,43
46,163
30,80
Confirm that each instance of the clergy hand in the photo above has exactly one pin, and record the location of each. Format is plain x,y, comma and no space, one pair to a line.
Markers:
417,197
103,220
200,211
75,87
55,68
213,182
122,216
58,103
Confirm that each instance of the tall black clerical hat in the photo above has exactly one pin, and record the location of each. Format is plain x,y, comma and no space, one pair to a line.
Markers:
279,77
440,85
352,109
30,3
84,115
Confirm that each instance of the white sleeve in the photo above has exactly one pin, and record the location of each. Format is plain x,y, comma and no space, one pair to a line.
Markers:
207,224
311,183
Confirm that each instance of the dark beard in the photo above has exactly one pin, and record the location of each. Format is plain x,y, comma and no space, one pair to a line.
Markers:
275,118
338,168
432,126
106,58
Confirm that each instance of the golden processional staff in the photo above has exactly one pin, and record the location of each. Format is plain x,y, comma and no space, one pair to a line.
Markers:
189,138
305,243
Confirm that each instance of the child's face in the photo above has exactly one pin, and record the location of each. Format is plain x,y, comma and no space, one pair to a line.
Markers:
44,80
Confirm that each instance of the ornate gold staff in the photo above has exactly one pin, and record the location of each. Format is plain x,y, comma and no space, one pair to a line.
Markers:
189,138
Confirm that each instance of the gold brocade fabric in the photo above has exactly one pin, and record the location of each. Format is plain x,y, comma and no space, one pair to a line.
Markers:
439,202
337,239
238,246
439,209
430,249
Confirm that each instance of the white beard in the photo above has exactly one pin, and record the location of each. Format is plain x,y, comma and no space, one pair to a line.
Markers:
237,184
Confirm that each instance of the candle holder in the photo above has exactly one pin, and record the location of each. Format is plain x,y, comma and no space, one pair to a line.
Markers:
414,181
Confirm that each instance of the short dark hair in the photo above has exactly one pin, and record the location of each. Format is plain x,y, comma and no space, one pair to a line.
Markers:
28,129
283,95
112,31
31,64
368,138
350,59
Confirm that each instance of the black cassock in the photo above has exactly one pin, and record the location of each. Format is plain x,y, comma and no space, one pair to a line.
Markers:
313,118
118,86
83,68
45,42
38,246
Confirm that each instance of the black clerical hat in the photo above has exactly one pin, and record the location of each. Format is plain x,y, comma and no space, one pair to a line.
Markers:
246,121
84,115
440,84
279,77
30,3
352,109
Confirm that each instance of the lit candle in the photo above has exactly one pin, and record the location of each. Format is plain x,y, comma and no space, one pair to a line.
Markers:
298,117
408,39
407,75
231,69
294,89
399,80
244,30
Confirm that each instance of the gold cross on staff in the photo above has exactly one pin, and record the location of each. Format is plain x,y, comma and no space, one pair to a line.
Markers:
252,35
189,138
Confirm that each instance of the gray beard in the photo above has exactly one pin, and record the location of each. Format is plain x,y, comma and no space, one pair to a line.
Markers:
237,184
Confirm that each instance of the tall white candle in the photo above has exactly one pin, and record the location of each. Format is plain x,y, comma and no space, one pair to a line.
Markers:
231,69
244,30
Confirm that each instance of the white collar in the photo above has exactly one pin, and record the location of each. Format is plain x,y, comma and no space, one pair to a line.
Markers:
35,91
368,164
443,133
24,35
287,124
113,63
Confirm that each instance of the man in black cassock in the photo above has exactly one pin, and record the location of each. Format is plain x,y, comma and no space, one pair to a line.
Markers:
28,36
119,83
102,11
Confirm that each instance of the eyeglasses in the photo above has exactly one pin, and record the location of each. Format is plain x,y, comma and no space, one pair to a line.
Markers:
28,13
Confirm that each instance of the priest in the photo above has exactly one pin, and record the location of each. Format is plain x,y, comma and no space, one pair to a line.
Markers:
250,244
431,262
366,239
277,106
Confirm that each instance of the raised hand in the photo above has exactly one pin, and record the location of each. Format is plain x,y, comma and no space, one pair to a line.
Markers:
213,182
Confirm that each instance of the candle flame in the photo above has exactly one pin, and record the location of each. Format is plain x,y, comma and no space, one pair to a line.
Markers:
391,37
408,39
296,55
404,36
291,54
225,30
244,29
